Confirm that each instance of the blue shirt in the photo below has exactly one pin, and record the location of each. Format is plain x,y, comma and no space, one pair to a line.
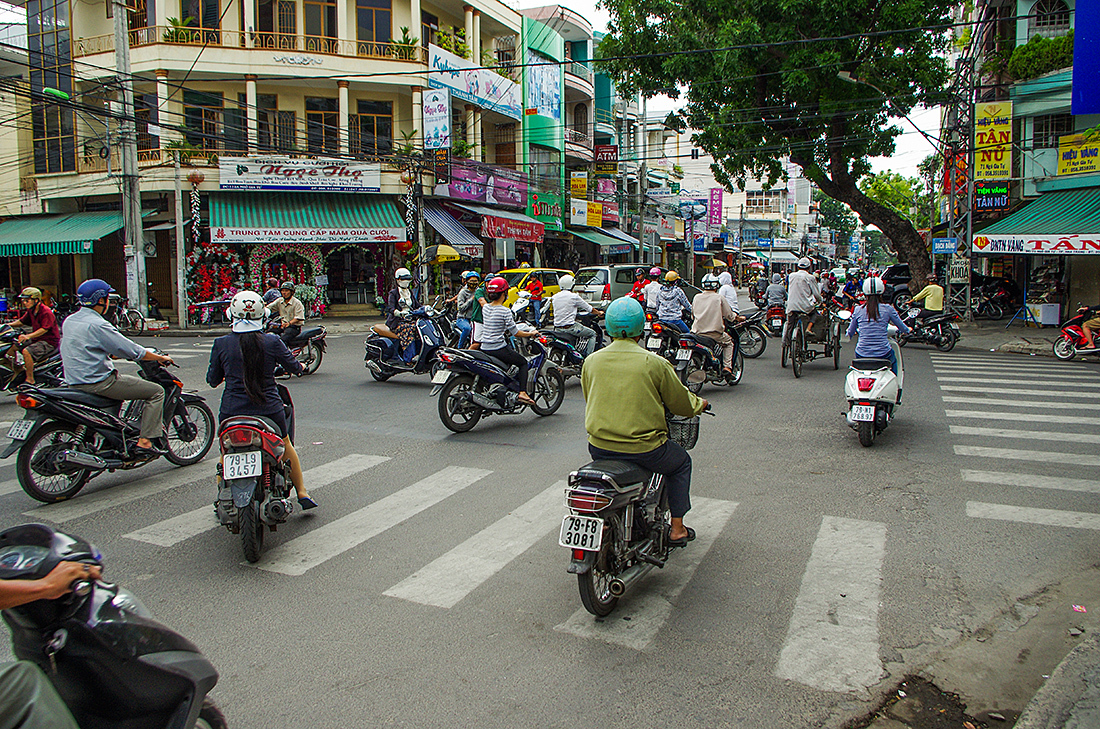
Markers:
227,365
873,339
88,342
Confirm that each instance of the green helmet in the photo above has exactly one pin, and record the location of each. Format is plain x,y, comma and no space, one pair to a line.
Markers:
624,318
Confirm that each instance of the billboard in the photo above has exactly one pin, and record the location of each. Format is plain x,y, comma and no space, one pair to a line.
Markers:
437,118
1075,155
476,182
993,140
471,83
543,85
287,173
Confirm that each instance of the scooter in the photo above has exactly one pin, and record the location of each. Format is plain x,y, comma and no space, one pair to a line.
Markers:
112,664
751,336
47,373
939,330
308,347
383,355
699,360
873,391
774,320
1072,340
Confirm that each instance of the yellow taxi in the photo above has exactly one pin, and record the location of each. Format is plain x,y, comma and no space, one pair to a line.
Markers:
518,278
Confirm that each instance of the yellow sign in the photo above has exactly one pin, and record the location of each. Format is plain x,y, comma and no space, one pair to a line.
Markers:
993,141
578,184
595,214
1076,155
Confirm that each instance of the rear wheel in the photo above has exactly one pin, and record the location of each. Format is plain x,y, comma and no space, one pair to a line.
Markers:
866,433
310,357
252,531
595,584
457,414
947,341
557,357
40,472
836,348
738,369
549,391
1064,349
901,301
191,434
798,350
694,373
784,354
380,376
753,341
133,322
210,717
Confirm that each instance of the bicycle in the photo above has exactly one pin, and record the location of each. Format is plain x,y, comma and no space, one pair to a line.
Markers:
798,349
127,319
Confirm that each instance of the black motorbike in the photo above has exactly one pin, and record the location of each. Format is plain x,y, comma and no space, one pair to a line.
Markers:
46,374
112,664
308,346
562,345
938,330
434,329
751,337
699,360
70,436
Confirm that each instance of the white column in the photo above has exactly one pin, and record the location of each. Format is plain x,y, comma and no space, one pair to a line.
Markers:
418,114
479,153
475,44
251,112
249,22
161,13
469,11
343,111
343,31
470,127
416,22
164,117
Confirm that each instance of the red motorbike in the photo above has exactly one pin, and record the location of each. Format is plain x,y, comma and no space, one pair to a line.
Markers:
1072,340
774,320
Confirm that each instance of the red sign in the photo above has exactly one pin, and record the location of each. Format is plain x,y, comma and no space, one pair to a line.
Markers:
607,158
494,227
610,212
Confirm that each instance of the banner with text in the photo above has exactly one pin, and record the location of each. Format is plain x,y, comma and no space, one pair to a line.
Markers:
993,141
471,83
437,118
286,173
1075,155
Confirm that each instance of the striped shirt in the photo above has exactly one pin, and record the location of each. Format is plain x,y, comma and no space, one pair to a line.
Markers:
497,323
873,340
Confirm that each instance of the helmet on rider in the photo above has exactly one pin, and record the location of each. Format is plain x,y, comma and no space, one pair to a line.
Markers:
654,272
403,277
31,293
246,311
710,282
287,286
624,318
496,286
776,278
566,282
91,291
873,286
468,276
671,278
639,274
804,263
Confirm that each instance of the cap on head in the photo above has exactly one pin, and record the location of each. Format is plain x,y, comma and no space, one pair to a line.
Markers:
286,286
272,283
654,272
672,277
776,278
873,286
804,263
710,282
31,293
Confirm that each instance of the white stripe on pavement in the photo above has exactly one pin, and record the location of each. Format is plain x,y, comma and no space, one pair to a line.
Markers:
456,574
175,530
832,642
1028,434
649,603
1046,517
1032,481
300,555
1024,417
10,487
1040,383
1025,403
1030,393
1015,454
1057,370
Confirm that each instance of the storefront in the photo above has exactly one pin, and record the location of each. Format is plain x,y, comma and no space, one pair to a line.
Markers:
510,237
612,249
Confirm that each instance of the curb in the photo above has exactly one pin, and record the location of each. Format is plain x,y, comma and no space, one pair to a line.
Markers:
1070,698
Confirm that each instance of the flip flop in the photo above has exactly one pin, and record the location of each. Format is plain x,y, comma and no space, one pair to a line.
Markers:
683,541
528,402
307,503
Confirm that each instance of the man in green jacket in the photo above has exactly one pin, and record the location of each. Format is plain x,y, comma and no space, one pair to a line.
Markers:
626,391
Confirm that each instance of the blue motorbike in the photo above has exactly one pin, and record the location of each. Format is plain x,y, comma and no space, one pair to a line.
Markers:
472,384
385,358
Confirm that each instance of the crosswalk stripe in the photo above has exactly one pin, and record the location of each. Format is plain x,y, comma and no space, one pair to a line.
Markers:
1030,480
302,554
1028,515
1055,370
1024,417
1029,434
10,487
1016,454
1025,403
832,642
1041,383
122,493
1030,393
650,602
175,530
456,574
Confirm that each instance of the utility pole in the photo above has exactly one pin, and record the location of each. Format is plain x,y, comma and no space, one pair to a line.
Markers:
134,246
181,284
642,183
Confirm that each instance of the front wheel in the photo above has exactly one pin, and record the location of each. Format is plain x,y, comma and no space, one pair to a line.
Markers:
210,717
595,584
738,369
40,472
191,434
753,341
549,391
252,531
866,433
798,349
836,348
1064,349
784,354
458,414
310,357
947,342
133,322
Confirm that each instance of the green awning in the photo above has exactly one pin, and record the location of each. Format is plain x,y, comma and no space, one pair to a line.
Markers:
49,235
304,217
1061,222
593,236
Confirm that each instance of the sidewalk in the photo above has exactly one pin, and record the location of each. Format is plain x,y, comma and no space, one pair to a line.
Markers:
993,336
332,325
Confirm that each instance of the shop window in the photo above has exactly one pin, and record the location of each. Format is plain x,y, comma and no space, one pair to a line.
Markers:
1049,128
764,201
322,125
277,22
145,106
372,128
429,29
373,20
52,124
1049,18
202,113
546,168
580,119
320,22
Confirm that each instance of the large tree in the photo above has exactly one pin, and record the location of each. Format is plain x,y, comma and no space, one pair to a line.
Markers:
762,84
837,217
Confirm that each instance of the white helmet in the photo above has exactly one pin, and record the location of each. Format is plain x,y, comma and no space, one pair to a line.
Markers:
872,285
246,305
710,282
566,282
803,262
403,277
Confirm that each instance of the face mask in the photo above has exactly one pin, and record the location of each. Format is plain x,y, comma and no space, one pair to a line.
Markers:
404,283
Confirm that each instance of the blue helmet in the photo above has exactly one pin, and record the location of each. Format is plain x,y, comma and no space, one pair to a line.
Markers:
91,291
624,318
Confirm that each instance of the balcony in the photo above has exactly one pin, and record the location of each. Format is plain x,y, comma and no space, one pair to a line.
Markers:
578,81
578,143
579,70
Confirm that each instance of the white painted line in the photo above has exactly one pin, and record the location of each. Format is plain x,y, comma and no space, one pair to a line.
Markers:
1045,517
10,487
1028,434
1055,370
456,574
300,555
1029,393
1014,454
1032,481
1025,403
649,602
1023,417
175,530
124,493
6,424
1053,380
832,643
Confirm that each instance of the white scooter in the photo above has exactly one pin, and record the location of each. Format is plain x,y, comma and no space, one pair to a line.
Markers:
873,391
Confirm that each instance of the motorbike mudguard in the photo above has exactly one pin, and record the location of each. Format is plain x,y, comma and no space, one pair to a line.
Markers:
189,397
15,445
243,489
194,668
581,566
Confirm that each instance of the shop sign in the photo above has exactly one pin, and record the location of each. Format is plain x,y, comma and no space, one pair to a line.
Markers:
307,235
472,83
959,273
610,212
605,186
1075,155
476,182
578,184
472,251
437,118
594,217
714,208
546,208
439,162
607,158
578,212
993,141
990,196
286,173
945,245
521,230
617,250
955,173
1041,245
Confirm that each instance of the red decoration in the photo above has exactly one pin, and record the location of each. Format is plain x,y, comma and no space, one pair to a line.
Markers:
403,246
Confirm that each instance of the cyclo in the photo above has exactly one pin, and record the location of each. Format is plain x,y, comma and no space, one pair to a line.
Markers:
800,347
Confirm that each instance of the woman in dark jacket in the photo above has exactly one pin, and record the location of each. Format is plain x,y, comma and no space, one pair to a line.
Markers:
401,300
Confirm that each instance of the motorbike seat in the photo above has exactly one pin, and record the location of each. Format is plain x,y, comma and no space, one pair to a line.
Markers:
567,337
868,364
252,421
699,339
310,333
86,398
483,357
621,474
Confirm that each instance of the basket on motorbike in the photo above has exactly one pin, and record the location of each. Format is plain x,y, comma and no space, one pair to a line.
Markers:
683,431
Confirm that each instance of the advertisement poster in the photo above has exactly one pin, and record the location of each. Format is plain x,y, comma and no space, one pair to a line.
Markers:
285,173
993,140
437,118
546,208
714,208
476,182
543,85
473,84
578,184
521,230
594,215
1075,155
610,212
991,196
607,158
578,212
306,235
605,186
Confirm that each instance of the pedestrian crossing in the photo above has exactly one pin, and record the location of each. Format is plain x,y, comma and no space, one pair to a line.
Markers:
1051,406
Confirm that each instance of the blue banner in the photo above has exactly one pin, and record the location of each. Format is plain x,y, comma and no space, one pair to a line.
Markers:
945,245
1086,58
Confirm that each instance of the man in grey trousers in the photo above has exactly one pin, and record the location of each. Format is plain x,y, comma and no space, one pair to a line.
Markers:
88,341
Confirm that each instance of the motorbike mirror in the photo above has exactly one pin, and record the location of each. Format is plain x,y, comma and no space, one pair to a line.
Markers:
844,315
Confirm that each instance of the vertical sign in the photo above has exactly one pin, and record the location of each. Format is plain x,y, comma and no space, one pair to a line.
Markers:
437,118
993,141
1085,97
578,184
594,216
714,209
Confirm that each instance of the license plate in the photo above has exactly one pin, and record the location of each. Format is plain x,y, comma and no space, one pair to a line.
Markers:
581,532
440,377
242,465
777,322
20,429
863,413
683,354
653,343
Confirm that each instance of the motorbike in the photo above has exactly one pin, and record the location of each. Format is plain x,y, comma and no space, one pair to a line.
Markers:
939,330
1072,340
873,392
46,374
699,360
308,347
752,339
562,346
618,523
253,479
69,436
774,319
112,664
472,384
383,355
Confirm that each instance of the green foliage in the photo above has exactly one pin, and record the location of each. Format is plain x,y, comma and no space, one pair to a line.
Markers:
1041,55
489,60
461,149
179,31
835,215
406,48
454,41
900,194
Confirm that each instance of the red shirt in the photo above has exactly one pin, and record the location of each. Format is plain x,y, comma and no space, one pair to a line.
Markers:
535,287
41,317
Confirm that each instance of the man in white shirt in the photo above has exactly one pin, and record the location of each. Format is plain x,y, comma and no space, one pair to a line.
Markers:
566,304
803,294
652,289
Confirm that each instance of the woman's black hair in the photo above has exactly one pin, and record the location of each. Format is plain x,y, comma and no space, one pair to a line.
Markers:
252,354
872,307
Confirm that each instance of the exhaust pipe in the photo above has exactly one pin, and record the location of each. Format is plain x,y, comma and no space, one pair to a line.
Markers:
374,367
622,583
278,510
86,460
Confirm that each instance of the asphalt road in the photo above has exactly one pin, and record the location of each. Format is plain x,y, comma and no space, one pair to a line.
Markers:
428,590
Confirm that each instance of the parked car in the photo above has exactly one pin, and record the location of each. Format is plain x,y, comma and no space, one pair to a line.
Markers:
896,278
600,285
518,278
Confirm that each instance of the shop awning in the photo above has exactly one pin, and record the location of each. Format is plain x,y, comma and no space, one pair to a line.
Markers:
781,257
614,246
457,235
50,235
304,217
616,233
1062,222
496,223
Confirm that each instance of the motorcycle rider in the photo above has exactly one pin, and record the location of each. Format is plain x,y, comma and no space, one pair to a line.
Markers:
272,292
932,296
497,324
465,302
803,294
245,361
652,290
711,312
44,337
292,311
566,304
672,302
728,291
627,391
870,321
640,282
89,342
535,288
852,288
402,299
776,293
1090,326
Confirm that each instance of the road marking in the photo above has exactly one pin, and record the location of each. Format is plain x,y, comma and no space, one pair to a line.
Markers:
182,355
1005,369
1029,434
1032,481
649,602
1027,515
1025,403
832,642
300,555
122,493
456,574
1014,454
10,487
1040,383
1031,393
175,530
1025,417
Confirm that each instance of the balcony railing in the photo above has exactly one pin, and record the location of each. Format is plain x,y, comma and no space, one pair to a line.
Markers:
604,116
579,70
582,137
